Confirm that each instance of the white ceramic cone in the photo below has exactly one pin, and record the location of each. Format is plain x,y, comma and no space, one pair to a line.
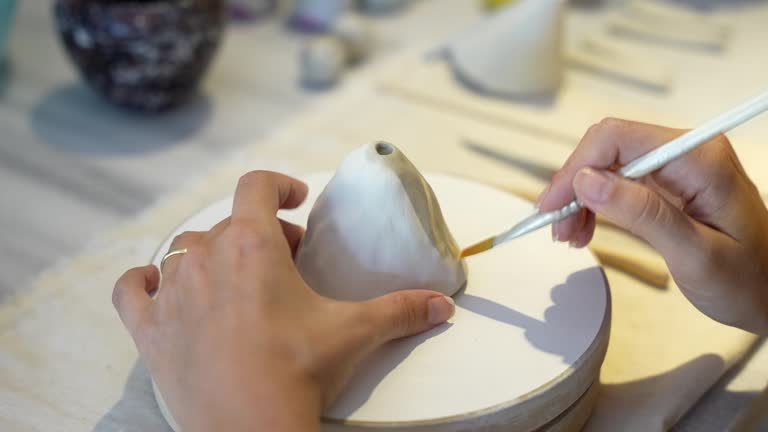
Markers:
516,52
378,228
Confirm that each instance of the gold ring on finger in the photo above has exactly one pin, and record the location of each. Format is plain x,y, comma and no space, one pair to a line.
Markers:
170,254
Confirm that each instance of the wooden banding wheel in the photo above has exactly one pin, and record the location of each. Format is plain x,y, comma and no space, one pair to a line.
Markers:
522,352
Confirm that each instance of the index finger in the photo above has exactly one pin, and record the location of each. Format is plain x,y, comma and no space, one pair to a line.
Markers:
607,144
260,194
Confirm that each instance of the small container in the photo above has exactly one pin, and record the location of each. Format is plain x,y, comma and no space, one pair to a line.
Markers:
7,10
322,62
146,55
316,15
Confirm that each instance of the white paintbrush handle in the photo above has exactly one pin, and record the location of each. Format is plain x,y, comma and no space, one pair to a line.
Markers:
655,159
674,149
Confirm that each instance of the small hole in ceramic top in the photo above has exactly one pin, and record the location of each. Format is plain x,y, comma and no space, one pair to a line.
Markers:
384,149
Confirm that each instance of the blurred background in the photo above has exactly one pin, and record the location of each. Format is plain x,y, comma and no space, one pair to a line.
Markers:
109,108
107,105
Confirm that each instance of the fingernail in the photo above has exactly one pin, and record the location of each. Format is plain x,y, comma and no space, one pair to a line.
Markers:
592,186
555,235
440,309
541,197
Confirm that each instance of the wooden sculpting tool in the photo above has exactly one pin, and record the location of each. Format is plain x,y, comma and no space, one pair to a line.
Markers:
638,168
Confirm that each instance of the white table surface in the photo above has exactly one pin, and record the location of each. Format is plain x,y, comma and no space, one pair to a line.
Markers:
72,166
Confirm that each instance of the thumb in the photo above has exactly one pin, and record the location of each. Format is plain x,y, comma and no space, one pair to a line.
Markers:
637,209
405,313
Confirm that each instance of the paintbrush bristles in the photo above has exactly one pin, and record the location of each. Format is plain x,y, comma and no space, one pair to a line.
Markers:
478,248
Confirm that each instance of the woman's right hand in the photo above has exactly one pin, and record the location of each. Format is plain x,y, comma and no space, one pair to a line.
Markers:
701,212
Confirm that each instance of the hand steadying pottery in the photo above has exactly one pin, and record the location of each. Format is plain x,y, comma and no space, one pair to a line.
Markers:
404,382
377,228
236,341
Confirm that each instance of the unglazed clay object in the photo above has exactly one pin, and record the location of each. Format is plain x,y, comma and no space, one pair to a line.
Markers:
378,228
517,52
322,62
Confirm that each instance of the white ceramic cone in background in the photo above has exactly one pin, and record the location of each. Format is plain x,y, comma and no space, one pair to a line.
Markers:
322,61
378,228
516,52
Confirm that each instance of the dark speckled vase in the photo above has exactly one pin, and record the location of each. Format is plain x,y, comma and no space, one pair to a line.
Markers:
147,55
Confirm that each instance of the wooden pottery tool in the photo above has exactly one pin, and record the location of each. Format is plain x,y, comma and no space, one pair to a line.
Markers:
660,14
609,60
522,353
663,34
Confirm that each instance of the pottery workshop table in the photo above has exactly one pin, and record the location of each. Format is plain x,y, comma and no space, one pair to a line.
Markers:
72,167
64,152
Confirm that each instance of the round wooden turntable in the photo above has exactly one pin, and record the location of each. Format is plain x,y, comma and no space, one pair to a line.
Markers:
522,353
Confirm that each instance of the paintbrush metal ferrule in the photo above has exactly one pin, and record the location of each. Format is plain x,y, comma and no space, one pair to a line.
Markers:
537,221
530,224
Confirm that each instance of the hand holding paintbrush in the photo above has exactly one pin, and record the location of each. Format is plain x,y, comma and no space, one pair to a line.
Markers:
637,166
692,202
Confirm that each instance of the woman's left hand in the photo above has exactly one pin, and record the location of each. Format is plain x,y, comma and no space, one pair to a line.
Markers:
236,340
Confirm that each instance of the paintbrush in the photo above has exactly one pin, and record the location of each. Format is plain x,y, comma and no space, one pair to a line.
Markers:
640,167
